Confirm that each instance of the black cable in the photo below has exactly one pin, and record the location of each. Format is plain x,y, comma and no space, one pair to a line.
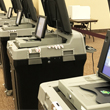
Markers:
93,63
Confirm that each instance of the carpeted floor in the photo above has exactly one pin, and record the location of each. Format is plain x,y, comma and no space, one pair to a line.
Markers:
7,103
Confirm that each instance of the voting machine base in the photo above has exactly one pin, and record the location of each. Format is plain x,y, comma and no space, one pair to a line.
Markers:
5,64
0,54
27,78
4,56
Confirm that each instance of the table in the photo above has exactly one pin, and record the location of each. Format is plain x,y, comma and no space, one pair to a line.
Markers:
84,22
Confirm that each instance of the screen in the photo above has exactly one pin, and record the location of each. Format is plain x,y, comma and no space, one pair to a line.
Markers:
104,60
41,27
106,68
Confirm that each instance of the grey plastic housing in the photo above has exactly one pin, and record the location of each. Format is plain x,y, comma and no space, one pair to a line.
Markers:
81,99
12,31
50,46
47,96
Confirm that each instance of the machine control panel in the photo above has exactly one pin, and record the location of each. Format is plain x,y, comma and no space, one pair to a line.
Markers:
11,31
55,47
38,49
35,50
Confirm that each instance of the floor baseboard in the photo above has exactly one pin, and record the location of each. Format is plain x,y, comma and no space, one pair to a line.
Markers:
99,30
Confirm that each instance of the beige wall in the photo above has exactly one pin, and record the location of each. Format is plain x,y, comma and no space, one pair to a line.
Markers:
41,12
8,3
99,10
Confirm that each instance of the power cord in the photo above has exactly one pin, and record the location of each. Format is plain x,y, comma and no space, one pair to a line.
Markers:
90,49
93,63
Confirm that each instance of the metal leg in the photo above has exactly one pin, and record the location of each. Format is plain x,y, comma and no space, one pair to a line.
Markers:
9,92
90,30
